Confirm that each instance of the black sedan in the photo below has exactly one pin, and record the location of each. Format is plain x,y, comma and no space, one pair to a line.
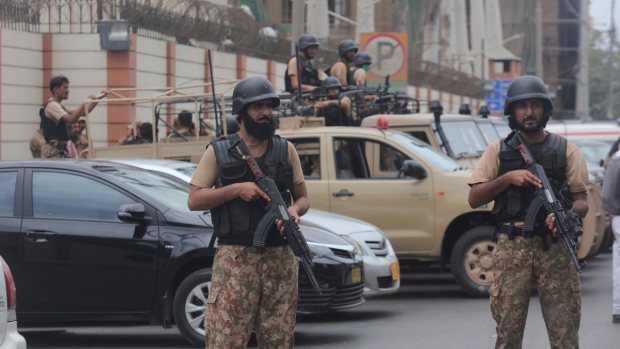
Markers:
93,241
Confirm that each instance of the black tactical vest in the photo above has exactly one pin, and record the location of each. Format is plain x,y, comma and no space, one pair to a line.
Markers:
236,221
350,79
51,130
512,204
309,75
333,115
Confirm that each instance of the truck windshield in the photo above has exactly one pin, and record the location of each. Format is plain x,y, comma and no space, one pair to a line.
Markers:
432,155
464,138
488,131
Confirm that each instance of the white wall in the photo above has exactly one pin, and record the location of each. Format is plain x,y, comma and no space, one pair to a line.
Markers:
22,77
80,58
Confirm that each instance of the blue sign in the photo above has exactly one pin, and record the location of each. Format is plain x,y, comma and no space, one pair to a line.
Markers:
496,99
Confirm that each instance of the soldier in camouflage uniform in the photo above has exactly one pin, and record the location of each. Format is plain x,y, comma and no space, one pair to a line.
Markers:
252,288
524,260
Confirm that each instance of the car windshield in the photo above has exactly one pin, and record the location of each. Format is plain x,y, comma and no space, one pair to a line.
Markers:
162,189
593,151
464,138
187,170
488,131
432,155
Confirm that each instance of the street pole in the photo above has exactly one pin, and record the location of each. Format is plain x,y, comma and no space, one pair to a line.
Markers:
583,83
297,25
612,40
483,68
539,40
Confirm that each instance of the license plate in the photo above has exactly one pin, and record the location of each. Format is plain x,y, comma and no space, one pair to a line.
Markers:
395,269
356,275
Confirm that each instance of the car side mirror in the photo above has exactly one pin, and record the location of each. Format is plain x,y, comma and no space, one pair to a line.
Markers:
133,213
412,168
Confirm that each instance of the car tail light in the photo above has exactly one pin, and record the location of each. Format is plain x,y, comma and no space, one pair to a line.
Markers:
11,292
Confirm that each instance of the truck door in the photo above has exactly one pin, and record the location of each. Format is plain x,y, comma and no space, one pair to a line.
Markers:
367,187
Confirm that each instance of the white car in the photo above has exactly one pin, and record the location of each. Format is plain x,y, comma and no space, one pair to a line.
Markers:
9,337
381,268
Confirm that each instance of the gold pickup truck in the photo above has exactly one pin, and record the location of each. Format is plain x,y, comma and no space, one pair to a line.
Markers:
413,192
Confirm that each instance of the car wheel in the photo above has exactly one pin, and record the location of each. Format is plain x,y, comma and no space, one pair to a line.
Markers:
608,241
472,261
190,304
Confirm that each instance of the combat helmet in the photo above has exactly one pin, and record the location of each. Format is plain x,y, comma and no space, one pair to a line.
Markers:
346,45
526,87
329,82
362,58
253,89
401,93
307,40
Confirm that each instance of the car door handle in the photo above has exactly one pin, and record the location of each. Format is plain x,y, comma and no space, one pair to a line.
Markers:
39,235
342,193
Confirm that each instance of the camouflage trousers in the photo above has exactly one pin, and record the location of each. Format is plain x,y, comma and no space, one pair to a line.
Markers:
519,265
252,288
50,151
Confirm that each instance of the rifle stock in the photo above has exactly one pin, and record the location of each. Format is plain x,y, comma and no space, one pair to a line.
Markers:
566,223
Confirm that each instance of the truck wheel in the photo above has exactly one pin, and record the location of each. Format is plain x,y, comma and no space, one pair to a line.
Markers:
190,303
472,261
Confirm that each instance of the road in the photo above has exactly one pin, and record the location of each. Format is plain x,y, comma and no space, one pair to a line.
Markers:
428,312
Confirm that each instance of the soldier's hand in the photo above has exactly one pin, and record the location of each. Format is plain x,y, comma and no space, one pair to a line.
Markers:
293,212
550,222
523,178
249,191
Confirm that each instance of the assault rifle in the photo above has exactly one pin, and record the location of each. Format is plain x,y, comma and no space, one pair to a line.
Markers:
567,223
277,209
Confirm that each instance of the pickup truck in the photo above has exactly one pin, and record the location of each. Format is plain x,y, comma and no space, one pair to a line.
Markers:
413,192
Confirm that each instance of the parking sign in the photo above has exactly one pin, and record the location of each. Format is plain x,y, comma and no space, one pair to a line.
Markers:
496,99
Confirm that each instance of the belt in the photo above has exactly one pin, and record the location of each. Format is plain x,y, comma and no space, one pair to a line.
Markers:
518,231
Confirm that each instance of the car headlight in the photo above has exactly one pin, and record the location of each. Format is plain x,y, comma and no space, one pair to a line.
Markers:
355,244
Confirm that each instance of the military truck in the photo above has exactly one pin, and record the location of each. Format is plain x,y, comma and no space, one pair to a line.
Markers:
416,194
460,137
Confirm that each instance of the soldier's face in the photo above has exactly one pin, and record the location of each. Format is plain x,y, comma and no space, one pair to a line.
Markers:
258,119
310,51
529,115
350,55
63,91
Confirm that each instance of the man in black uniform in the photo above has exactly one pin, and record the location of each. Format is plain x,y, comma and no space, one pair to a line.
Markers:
251,287
310,75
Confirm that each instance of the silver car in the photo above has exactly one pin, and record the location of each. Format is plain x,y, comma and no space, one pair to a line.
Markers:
381,268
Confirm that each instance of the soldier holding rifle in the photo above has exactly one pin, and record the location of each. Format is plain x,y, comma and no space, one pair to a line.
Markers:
252,288
526,258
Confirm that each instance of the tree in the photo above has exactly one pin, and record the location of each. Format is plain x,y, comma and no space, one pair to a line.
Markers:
599,75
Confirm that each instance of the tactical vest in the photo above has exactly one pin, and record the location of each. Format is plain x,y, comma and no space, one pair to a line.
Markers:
309,75
236,221
51,130
350,80
333,115
512,204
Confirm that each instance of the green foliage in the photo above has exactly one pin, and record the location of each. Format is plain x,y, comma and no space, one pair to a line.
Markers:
599,76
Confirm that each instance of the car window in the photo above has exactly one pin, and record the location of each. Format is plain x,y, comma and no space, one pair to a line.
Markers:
364,158
69,196
169,192
421,135
308,150
7,188
488,132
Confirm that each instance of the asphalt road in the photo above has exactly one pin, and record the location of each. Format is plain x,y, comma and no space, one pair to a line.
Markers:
428,312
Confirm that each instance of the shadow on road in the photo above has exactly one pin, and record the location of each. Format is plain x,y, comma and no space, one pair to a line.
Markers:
49,339
352,316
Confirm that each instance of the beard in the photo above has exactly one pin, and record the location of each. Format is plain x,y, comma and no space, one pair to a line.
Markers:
259,130
520,126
